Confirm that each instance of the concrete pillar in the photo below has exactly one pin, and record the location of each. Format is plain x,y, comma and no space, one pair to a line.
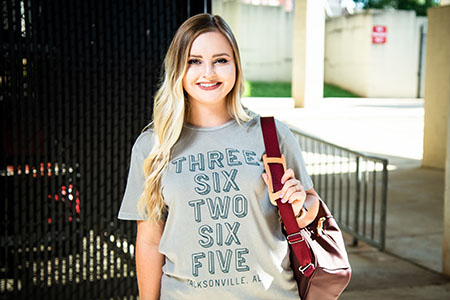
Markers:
437,110
437,87
446,237
308,52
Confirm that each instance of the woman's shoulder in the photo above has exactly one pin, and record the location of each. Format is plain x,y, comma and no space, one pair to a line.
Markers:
282,127
144,142
255,121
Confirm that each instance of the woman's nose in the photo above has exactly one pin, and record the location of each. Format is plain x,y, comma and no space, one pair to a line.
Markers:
209,70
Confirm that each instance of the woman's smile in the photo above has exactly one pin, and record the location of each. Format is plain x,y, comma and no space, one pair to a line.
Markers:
209,86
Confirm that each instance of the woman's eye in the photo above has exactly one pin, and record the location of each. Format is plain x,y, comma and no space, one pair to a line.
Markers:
221,61
193,61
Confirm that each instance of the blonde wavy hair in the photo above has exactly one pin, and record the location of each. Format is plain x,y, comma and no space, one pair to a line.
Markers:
170,105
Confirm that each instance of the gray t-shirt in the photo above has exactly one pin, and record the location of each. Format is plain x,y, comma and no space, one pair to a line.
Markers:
222,238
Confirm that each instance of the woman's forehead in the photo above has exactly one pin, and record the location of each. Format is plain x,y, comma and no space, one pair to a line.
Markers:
211,43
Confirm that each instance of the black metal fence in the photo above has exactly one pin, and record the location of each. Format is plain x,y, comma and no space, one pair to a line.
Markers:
76,86
353,184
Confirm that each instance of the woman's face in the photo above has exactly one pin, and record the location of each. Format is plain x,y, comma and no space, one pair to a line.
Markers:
211,70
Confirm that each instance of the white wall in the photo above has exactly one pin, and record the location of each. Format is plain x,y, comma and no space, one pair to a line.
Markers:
374,70
394,65
347,52
264,34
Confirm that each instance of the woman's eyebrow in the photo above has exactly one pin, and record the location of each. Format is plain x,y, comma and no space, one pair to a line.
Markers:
215,55
221,54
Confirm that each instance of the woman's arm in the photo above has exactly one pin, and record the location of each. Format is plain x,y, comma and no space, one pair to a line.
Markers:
312,206
149,261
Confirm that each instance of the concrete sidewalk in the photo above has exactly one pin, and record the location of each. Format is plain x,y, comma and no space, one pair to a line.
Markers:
382,275
393,128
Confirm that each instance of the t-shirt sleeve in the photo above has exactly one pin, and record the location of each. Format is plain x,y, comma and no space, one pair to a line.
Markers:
293,153
135,184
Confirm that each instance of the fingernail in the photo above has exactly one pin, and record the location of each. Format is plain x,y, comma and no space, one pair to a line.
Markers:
282,181
283,200
280,195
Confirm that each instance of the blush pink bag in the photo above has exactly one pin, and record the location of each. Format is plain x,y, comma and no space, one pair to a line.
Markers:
318,256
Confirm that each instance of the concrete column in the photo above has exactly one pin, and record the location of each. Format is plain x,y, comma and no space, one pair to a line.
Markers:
437,110
308,52
446,237
437,87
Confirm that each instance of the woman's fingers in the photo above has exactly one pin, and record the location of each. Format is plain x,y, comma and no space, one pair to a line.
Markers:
265,178
289,174
295,195
292,188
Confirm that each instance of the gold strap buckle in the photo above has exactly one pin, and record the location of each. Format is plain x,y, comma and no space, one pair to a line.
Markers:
273,195
320,226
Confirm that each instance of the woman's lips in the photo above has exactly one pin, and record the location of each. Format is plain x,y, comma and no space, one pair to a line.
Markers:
209,86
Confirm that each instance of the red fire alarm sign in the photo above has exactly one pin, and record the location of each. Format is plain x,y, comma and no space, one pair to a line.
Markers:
379,34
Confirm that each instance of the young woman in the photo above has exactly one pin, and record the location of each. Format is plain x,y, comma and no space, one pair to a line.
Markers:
206,227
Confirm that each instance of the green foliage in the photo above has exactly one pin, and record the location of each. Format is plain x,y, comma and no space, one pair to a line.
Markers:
247,89
283,89
267,89
335,91
420,6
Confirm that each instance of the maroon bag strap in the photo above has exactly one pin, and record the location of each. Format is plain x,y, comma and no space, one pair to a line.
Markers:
295,238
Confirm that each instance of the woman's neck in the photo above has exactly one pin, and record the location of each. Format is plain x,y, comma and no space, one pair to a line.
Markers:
208,116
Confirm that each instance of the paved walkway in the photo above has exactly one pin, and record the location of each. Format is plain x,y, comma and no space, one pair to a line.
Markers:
410,267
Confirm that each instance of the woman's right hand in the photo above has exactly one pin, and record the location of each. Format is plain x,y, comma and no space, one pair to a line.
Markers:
149,260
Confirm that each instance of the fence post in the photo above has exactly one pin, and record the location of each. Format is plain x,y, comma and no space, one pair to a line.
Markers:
357,200
383,206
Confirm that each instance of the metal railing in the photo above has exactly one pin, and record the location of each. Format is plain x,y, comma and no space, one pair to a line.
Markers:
353,184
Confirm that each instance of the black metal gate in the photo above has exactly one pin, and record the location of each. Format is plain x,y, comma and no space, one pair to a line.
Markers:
76,85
